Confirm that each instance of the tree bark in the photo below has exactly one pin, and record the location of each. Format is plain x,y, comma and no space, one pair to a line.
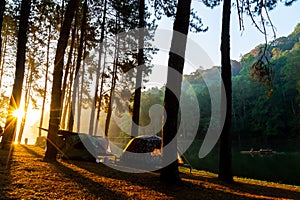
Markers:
78,62
69,99
11,122
61,13
64,107
172,98
113,79
80,95
225,161
139,74
55,105
46,82
27,96
2,8
113,84
92,119
100,94
2,59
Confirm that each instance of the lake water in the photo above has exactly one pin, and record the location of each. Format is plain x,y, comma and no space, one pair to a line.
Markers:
282,167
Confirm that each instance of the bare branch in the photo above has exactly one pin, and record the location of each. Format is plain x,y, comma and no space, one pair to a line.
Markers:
270,21
251,16
240,14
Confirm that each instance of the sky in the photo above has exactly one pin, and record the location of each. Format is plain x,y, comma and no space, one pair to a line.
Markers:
208,43
283,18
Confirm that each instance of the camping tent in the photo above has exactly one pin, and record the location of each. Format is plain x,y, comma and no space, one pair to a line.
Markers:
144,152
81,146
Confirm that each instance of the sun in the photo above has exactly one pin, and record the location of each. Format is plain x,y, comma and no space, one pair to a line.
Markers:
18,113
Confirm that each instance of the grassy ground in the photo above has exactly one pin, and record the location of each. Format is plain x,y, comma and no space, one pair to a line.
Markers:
29,177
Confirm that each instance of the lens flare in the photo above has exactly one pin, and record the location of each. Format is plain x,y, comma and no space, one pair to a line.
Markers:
18,113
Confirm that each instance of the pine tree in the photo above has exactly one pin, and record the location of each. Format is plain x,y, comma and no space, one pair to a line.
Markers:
2,8
55,105
171,102
11,122
225,163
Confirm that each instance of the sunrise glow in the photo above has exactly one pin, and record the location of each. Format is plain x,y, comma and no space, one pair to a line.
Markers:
19,113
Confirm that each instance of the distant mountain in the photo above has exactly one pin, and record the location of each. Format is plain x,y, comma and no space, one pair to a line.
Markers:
261,110
287,43
282,44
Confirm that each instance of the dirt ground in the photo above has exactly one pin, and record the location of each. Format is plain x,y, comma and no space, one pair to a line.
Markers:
29,177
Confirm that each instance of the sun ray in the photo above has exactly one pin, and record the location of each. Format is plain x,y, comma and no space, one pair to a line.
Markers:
18,113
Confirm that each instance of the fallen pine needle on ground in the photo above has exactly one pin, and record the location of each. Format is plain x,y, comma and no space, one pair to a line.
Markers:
29,177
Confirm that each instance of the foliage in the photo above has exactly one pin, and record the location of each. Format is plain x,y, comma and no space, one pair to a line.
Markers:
256,113
273,112
169,7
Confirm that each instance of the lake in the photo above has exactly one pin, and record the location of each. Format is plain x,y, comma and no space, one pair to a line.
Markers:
282,166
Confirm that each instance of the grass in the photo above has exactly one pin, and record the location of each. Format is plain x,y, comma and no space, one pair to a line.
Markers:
29,177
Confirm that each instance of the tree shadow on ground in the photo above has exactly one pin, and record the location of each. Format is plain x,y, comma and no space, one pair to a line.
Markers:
34,153
5,161
194,186
95,177
96,188
151,181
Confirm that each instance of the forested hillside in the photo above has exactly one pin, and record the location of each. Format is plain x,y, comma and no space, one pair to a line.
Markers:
261,110
272,110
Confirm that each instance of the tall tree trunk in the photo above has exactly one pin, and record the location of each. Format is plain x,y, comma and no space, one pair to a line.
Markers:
109,111
78,62
100,94
24,118
113,83
11,122
65,112
172,98
26,96
225,163
61,13
69,99
92,118
55,105
2,59
139,75
80,95
67,71
2,44
46,82
2,8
